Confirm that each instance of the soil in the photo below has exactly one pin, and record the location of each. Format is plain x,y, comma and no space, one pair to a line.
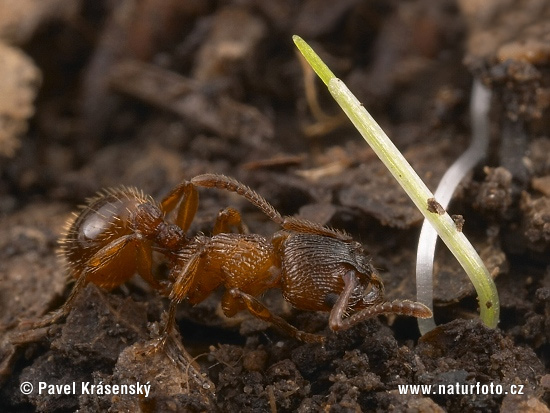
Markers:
152,92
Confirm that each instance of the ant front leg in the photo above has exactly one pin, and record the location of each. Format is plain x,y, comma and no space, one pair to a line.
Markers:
259,310
399,307
186,195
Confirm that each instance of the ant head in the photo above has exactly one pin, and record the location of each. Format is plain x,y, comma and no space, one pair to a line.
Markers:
370,289
358,258
322,261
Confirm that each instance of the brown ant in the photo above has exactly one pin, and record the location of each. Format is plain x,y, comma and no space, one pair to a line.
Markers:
316,267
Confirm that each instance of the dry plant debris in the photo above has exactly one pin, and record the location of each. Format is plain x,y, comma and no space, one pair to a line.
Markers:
19,81
20,78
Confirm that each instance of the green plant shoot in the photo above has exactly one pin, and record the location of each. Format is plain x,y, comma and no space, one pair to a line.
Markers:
415,188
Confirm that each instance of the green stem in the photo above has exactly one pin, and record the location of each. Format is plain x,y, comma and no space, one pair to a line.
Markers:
419,193
314,60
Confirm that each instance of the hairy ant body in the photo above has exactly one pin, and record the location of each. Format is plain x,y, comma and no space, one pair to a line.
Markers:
316,267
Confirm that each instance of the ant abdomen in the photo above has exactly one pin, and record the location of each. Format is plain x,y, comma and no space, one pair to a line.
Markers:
104,223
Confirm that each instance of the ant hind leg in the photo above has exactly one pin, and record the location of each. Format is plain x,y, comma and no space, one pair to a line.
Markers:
186,196
232,185
288,223
180,289
63,311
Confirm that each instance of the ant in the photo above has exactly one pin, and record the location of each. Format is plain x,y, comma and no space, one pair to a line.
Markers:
316,267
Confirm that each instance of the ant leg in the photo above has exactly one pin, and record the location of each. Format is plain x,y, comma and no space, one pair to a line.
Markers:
288,223
185,278
228,219
105,255
399,307
97,262
186,195
167,328
144,263
257,309
145,269
63,311
184,281
230,184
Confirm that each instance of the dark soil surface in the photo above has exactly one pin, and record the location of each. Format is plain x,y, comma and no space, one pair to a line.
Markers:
152,92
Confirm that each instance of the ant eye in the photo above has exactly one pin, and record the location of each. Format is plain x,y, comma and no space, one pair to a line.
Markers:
330,299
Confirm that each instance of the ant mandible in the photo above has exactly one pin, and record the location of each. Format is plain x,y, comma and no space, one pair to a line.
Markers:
316,267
